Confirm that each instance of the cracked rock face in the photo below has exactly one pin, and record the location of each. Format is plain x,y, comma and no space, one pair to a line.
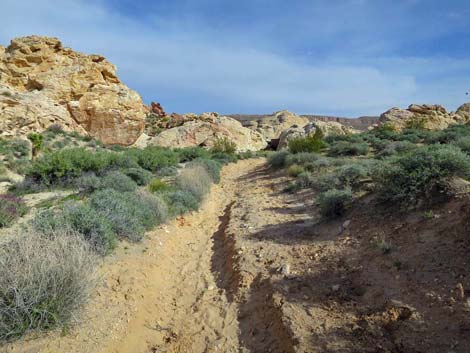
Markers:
42,83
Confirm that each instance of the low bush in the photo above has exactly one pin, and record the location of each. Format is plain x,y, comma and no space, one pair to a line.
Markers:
302,158
196,180
294,170
153,158
396,147
181,202
43,280
118,181
224,145
304,180
88,182
409,177
309,143
344,148
212,167
11,208
463,143
333,203
157,185
140,176
189,153
277,160
350,175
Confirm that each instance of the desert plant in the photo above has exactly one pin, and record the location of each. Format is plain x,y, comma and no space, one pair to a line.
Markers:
212,167
181,202
157,185
350,175
224,145
118,181
409,177
189,153
43,280
302,158
344,148
333,203
37,141
196,180
277,160
310,143
88,182
295,170
11,208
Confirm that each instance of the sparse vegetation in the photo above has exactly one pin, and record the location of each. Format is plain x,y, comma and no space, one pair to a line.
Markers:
11,208
310,143
333,203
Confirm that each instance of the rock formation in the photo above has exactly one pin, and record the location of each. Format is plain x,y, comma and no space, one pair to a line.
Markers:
204,130
431,117
42,83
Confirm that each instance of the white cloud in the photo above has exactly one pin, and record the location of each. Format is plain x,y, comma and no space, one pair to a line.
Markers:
202,70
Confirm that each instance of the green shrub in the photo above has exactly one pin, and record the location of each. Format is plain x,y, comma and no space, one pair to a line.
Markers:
167,171
344,148
152,210
181,202
196,180
153,158
277,160
302,158
212,167
304,180
38,142
140,176
333,203
224,158
118,181
463,143
396,147
11,208
409,177
350,175
224,145
295,170
309,143
189,153
88,182
157,185
43,280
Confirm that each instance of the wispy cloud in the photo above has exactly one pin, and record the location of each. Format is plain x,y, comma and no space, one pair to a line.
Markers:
347,64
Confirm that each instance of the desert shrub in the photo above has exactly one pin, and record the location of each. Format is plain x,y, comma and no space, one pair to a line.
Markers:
118,181
153,157
140,176
167,171
333,203
304,180
396,147
43,280
88,182
189,153
212,167
463,143
350,175
309,143
120,209
301,158
224,145
277,160
180,202
11,208
157,185
385,132
224,158
55,129
71,163
347,137
3,169
344,148
77,218
409,177
326,181
37,141
294,170
129,213
196,180
246,155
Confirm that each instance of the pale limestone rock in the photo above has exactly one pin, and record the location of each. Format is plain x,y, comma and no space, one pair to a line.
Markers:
50,84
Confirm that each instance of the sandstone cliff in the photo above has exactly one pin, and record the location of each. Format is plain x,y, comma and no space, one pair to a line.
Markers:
43,83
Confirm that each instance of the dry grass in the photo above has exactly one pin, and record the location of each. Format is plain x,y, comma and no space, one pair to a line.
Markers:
43,280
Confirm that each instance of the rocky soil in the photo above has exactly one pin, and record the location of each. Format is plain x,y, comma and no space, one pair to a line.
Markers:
257,270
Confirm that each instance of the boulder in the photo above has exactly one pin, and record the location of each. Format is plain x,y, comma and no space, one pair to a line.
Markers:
206,129
43,83
426,116
326,127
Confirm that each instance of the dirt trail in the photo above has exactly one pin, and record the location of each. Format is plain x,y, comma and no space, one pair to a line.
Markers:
176,292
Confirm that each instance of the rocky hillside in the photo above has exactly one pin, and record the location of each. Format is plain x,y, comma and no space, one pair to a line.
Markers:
43,83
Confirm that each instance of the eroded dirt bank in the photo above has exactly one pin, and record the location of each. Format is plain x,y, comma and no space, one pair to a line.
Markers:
256,271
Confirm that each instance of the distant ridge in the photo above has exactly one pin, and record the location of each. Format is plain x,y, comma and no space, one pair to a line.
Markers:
361,123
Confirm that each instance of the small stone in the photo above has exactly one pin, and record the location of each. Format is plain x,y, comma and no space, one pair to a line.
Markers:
335,288
460,291
346,223
210,287
285,269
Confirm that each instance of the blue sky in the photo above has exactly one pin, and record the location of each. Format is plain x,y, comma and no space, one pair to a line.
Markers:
336,57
